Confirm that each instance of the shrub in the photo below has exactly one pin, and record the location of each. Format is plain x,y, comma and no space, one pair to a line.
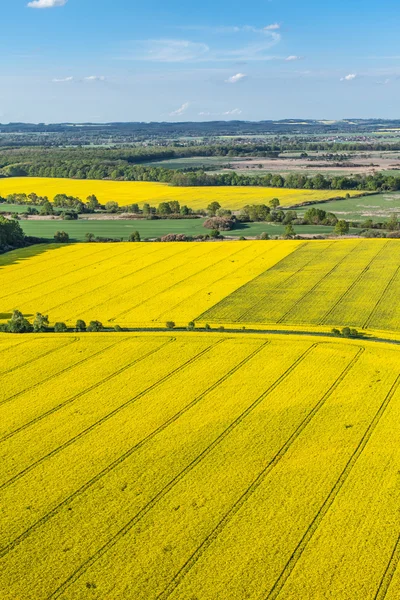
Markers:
90,237
207,327
220,223
61,237
18,324
60,328
263,236
80,325
41,323
117,328
95,326
191,326
170,325
134,237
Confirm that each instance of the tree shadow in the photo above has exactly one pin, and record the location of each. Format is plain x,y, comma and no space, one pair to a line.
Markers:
20,254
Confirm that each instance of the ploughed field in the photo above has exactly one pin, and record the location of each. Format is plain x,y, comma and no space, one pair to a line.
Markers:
190,465
129,192
308,284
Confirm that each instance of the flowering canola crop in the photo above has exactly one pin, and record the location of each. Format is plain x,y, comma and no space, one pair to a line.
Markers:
160,465
129,192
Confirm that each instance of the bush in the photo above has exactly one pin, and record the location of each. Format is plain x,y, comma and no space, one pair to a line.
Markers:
80,325
18,324
170,325
41,323
207,327
174,237
263,236
61,237
191,326
117,328
95,326
90,237
220,223
60,328
134,237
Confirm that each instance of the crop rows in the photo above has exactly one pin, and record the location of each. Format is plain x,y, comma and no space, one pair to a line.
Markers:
137,470
352,283
134,284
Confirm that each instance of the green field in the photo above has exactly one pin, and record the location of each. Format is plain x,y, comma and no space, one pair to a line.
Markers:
196,162
377,207
153,229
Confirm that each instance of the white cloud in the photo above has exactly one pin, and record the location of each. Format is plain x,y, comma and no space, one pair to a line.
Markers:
233,112
168,50
95,78
46,3
349,77
63,80
272,27
176,50
293,57
236,78
180,111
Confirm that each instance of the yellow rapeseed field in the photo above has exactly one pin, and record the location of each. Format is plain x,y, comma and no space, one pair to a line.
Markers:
129,192
252,284
193,465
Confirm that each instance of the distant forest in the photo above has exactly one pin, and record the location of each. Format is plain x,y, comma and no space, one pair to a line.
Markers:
125,164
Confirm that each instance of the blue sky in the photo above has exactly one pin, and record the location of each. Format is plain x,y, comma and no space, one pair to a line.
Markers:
97,60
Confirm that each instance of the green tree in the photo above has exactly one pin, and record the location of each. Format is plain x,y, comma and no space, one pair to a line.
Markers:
170,325
134,237
61,237
95,326
92,203
112,206
41,323
191,326
213,207
90,237
289,231
341,227
274,203
60,327
18,323
80,325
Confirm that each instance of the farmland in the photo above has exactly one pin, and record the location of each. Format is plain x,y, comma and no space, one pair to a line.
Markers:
317,284
169,466
121,228
128,192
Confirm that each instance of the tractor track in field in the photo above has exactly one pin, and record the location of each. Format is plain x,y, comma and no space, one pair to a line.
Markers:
381,299
312,289
55,375
390,570
168,487
36,358
312,528
150,266
203,315
323,320
130,451
177,283
259,302
86,390
106,417
166,312
226,519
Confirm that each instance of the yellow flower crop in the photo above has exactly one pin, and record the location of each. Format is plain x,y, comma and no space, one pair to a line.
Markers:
188,465
129,192
320,284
